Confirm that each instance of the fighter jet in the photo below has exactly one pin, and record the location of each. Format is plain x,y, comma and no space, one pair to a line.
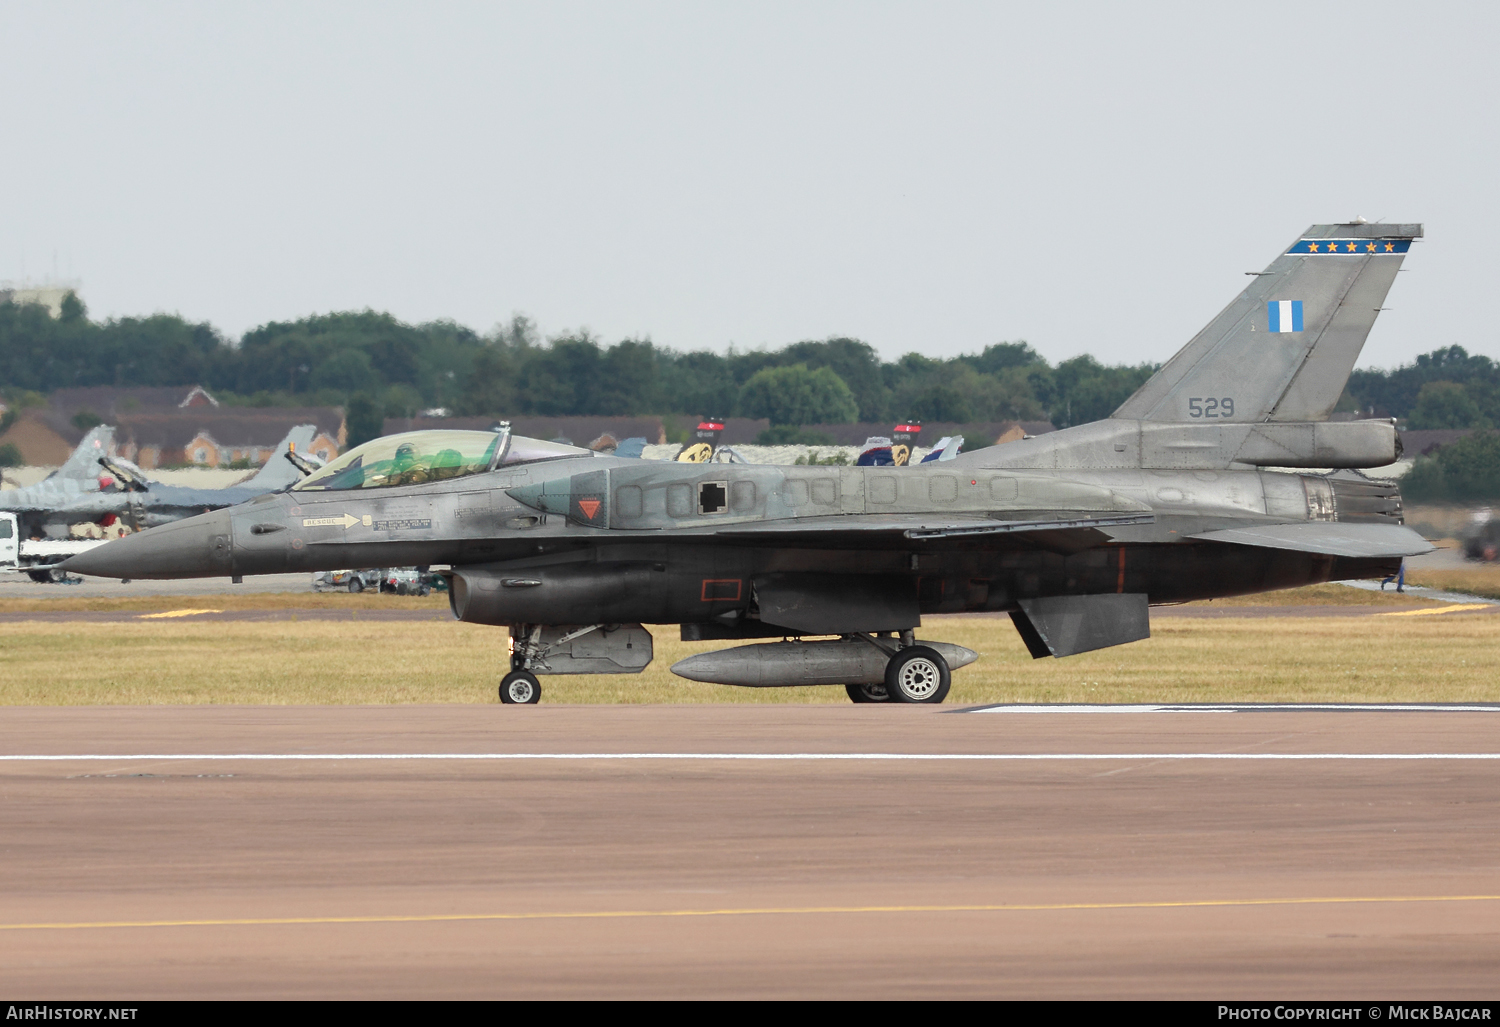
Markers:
93,487
1212,480
38,507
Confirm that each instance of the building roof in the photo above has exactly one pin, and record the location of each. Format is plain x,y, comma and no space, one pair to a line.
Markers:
40,444
233,427
111,401
1426,441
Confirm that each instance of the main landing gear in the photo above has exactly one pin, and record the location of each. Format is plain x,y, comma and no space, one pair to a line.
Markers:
918,674
914,674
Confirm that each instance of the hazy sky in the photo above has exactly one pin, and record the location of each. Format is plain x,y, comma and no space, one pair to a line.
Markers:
925,176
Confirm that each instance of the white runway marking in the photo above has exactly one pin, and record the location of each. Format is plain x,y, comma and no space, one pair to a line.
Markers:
752,756
1240,708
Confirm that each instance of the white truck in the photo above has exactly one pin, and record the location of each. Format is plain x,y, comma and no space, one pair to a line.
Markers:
36,557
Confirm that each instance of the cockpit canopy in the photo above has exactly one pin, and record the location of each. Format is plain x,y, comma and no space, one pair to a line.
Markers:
417,457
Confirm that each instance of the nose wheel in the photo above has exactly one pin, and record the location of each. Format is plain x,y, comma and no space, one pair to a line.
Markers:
520,686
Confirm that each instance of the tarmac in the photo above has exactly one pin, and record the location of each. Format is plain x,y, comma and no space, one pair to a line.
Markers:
730,851
20,586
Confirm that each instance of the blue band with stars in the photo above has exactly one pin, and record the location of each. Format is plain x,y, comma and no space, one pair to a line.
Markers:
1350,247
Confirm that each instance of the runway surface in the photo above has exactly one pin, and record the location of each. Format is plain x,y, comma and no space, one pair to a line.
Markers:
1124,856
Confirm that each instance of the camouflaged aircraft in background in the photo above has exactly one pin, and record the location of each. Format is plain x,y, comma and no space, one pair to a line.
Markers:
40,507
93,487
1076,533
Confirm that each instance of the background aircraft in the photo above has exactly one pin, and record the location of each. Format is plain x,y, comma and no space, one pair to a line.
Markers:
38,507
86,490
1189,491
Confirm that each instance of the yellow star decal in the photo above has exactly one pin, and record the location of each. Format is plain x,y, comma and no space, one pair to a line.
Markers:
1370,248
1390,247
1352,247
1312,247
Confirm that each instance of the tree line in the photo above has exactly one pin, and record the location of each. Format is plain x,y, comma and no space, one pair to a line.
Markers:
398,369
385,367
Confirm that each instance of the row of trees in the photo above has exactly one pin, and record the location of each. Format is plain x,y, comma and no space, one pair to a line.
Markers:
832,381
401,368
1447,388
1466,471
395,369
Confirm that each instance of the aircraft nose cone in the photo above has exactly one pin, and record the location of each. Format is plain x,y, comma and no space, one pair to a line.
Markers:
198,547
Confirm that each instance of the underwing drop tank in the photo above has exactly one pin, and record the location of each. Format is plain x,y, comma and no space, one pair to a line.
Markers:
787,664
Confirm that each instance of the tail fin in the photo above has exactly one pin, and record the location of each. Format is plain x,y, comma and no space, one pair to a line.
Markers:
84,461
278,472
1283,350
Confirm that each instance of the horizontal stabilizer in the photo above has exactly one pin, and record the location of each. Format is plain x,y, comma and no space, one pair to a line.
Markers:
1329,538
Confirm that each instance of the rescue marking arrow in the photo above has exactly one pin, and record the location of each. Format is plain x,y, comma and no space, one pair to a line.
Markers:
345,521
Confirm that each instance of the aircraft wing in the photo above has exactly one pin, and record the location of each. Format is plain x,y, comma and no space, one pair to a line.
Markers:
1059,534
1331,538
920,527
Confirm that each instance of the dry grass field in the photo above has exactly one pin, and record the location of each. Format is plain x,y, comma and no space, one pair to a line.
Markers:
1388,655
229,601
1476,580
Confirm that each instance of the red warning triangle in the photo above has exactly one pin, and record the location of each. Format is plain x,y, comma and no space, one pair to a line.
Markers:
589,507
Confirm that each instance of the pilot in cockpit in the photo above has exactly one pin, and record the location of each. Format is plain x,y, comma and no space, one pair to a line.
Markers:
404,467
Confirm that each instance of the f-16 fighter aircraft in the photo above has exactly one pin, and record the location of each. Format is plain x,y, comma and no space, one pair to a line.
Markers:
1076,533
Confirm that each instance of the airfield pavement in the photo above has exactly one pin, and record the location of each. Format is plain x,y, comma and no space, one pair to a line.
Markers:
1107,866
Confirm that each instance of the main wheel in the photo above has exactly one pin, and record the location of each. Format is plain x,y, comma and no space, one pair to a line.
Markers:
355,585
918,674
867,693
520,686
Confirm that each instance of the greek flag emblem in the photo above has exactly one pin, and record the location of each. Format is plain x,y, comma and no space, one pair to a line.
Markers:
1284,316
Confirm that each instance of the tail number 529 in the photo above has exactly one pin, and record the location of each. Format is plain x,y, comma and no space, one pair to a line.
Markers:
1211,407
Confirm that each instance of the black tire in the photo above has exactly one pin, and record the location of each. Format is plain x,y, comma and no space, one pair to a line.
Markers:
401,589
40,577
355,585
521,687
918,674
867,693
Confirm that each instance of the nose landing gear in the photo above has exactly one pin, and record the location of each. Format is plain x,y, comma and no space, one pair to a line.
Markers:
520,686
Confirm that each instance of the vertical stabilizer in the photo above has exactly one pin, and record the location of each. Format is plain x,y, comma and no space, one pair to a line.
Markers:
83,464
278,472
1283,350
